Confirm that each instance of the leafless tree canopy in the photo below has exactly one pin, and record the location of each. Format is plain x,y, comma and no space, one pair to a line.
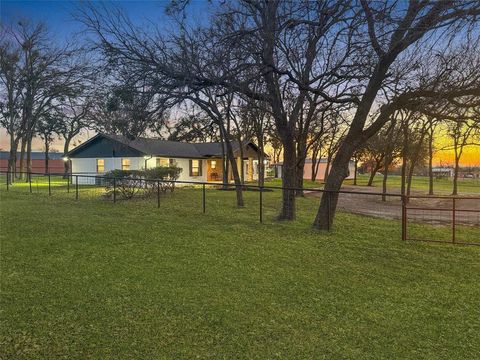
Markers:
327,77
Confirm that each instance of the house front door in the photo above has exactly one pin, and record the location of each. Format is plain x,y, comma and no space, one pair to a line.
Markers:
214,170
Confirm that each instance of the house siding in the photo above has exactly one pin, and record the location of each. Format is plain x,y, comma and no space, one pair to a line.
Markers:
88,166
307,171
112,151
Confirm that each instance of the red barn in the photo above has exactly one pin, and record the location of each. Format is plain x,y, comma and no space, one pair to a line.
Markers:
55,162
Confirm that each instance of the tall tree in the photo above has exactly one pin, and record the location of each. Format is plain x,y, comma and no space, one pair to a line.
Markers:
10,99
395,30
246,43
45,73
47,127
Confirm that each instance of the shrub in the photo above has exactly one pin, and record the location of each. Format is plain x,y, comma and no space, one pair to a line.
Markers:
168,175
127,182
130,182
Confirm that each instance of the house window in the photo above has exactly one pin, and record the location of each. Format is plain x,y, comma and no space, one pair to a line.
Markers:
165,162
195,167
100,165
213,164
125,164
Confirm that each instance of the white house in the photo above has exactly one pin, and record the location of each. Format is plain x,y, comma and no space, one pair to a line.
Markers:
200,162
443,172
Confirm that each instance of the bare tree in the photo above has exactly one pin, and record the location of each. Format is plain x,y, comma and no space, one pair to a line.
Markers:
365,54
247,42
462,134
10,103
44,74
47,127
75,115
393,31
127,106
257,118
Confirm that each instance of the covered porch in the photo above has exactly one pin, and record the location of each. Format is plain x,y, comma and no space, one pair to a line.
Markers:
248,165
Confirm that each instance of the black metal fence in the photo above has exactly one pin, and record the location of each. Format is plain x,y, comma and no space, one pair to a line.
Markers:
416,218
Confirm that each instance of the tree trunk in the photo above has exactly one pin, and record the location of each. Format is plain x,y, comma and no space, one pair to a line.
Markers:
233,163
12,159
455,174
410,176
430,163
299,177
22,159
315,163
338,172
288,181
327,167
355,173
300,165
384,182
414,161
373,173
66,164
225,161
29,154
261,162
403,175
47,150
388,158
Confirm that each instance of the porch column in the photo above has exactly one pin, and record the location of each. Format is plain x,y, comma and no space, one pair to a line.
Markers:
250,169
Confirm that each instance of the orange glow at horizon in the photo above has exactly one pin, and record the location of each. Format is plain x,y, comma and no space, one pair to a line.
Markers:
445,154
470,157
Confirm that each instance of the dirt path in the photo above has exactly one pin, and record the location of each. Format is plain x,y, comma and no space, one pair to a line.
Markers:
428,210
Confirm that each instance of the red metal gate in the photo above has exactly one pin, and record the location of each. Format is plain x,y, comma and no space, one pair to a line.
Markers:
452,219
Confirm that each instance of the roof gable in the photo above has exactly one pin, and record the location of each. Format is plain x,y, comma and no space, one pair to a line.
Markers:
104,146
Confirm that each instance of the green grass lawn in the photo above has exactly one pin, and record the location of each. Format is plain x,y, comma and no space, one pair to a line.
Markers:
440,186
93,279
419,183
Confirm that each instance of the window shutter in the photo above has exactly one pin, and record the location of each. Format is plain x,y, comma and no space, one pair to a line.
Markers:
190,166
199,167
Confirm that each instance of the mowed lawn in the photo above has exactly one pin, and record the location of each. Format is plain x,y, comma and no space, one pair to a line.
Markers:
421,183
93,279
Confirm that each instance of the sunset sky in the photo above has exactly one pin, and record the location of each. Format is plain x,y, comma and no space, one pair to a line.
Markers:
58,16
471,156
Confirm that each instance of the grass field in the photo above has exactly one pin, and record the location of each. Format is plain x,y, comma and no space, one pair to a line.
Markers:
420,183
92,279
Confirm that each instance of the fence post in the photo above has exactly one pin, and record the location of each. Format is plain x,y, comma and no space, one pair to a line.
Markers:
8,179
158,193
453,219
49,186
68,184
30,181
76,187
261,204
114,190
203,198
